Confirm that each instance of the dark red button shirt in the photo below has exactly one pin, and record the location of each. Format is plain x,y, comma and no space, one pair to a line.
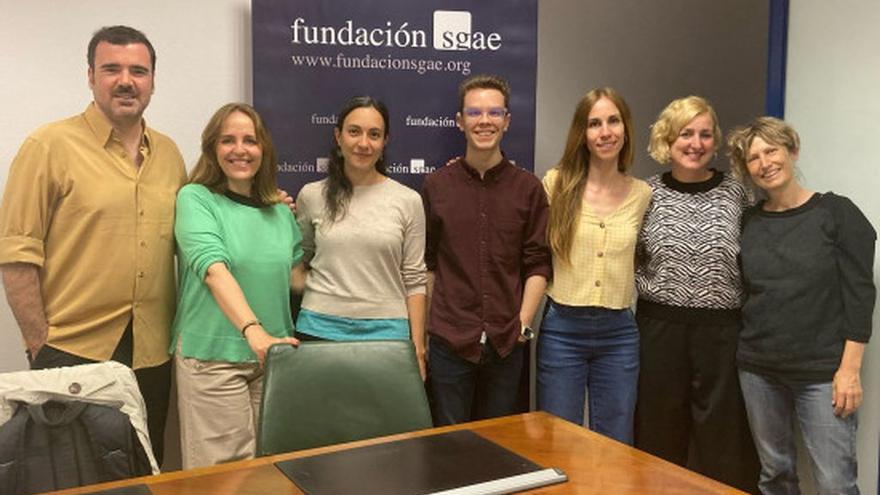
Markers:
484,238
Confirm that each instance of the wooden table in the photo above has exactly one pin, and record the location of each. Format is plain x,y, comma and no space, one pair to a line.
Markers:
593,463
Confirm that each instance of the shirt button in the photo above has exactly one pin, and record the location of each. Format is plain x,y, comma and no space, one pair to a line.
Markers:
598,283
141,213
601,225
140,274
74,388
143,243
600,254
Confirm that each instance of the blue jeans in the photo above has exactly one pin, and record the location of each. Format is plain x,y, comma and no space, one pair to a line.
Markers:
772,406
455,380
589,348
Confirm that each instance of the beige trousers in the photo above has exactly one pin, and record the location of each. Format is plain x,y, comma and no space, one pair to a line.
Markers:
219,405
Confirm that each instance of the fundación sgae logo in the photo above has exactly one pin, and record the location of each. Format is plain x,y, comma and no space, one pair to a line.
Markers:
322,163
452,31
416,166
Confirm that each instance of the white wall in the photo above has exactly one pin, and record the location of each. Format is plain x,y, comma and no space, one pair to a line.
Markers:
831,99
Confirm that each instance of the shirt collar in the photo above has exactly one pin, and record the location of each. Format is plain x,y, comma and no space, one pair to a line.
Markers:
492,174
104,130
693,187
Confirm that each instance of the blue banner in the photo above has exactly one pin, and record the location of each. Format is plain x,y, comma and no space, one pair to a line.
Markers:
311,56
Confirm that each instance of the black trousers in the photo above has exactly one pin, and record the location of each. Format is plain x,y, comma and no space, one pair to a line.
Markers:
690,409
154,383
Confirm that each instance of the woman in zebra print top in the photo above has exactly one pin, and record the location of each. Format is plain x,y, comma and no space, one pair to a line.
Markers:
690,409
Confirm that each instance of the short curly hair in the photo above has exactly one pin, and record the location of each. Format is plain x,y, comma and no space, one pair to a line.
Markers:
672,119
770,129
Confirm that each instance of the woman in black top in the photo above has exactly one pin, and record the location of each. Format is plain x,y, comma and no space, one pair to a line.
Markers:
807,264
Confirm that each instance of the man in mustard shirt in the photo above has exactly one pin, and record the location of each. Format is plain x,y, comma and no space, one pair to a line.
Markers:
86,228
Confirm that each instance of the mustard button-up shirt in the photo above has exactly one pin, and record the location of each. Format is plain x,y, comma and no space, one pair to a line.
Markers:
101,231
602,268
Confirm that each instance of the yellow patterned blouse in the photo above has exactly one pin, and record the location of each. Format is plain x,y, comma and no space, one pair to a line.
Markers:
601,272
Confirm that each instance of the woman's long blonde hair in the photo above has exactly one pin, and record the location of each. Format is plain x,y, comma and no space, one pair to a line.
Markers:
568,189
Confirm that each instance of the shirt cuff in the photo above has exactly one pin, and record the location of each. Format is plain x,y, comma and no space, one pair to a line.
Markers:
22,249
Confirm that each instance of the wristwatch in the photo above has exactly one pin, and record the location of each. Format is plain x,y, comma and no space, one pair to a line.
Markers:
527,332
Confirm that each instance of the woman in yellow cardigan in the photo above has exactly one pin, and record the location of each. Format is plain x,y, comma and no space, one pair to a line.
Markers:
588,336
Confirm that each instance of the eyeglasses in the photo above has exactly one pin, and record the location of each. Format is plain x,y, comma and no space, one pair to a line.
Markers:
495,113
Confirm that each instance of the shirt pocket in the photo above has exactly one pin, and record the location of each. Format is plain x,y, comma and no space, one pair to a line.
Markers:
507,242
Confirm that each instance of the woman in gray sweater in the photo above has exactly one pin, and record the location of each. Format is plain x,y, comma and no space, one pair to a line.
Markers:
807,264
363,241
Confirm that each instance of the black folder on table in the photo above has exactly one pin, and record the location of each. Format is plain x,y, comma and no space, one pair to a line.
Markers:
412,466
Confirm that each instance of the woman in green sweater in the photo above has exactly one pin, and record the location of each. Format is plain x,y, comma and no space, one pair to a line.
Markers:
237,246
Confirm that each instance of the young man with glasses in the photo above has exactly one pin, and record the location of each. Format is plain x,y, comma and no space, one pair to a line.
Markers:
488,262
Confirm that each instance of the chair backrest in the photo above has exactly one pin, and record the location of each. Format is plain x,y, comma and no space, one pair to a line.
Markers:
322,393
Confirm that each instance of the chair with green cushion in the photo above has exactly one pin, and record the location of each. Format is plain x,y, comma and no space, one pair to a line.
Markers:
322,393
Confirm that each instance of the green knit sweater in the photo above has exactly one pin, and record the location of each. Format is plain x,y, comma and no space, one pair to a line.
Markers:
259,245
